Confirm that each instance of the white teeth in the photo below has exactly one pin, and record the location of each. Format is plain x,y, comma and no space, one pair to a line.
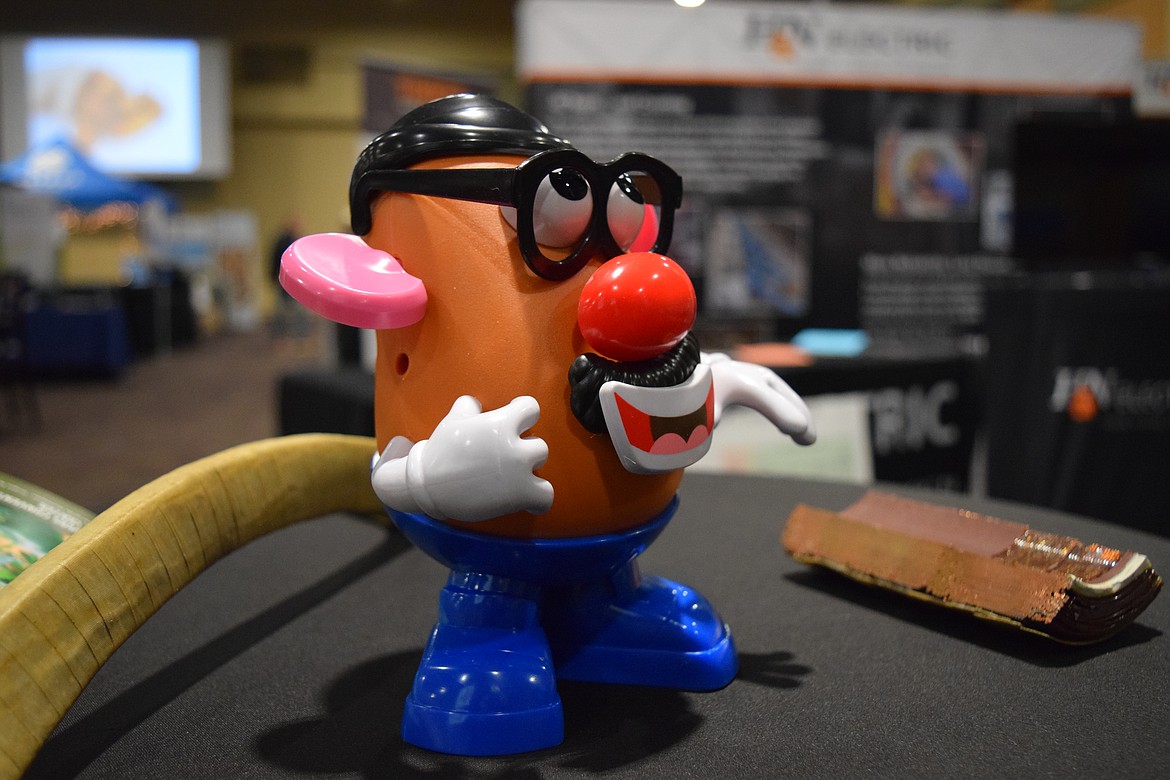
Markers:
630,433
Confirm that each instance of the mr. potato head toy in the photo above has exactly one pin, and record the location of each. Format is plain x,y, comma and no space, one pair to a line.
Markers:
538,393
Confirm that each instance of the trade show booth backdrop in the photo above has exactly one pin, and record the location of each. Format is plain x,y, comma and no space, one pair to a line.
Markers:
843,166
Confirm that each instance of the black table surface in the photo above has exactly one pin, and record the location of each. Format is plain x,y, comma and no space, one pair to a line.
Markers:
292,658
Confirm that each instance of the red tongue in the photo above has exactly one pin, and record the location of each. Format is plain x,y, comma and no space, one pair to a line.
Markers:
644,431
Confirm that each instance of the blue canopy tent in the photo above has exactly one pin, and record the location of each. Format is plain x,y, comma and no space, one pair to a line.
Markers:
58,170
95,337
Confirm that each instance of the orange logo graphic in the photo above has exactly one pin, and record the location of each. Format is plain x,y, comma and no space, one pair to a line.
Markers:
1082,404
782,46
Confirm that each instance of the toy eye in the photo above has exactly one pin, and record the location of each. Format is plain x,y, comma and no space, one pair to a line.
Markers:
625,210
561,211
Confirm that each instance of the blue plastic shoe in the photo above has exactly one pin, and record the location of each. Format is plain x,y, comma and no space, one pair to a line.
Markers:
486,684
637,630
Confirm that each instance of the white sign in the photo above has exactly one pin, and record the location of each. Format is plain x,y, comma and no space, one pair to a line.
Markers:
822,45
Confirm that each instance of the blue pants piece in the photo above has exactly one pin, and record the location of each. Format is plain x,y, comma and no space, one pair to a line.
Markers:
518,613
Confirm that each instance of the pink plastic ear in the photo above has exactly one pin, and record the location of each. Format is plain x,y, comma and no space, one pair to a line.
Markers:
343,279
648,233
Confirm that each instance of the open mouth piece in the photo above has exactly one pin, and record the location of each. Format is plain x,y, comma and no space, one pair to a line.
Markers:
658,429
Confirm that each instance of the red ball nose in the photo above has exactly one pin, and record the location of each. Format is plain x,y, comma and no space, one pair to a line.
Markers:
636,306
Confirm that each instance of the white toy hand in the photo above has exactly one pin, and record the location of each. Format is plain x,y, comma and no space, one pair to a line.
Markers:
475,465
759,388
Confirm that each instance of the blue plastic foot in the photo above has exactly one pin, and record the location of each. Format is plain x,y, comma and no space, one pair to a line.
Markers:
486,684
640,631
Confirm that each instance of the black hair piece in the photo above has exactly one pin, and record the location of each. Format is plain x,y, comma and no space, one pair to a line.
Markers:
589,372
453,125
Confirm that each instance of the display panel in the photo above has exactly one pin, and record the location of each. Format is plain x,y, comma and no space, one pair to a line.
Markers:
1092,195
890,130
145,108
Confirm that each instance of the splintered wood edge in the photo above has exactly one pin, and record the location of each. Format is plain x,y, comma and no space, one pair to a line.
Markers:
63,617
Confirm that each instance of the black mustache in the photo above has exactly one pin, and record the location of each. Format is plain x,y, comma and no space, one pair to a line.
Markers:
589,372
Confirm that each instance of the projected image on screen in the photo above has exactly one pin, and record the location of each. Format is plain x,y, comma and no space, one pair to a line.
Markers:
128,105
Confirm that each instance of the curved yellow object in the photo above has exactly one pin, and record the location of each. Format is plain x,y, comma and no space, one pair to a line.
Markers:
63,617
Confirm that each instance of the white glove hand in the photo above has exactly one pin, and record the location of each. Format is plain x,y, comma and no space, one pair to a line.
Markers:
757,387
475,465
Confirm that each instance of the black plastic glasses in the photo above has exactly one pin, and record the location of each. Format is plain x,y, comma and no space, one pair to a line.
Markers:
559,197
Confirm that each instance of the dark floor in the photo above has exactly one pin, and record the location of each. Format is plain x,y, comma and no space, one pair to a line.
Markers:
99,439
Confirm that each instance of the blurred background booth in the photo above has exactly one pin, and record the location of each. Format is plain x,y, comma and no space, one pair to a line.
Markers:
1077,370
1078,399
78,322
